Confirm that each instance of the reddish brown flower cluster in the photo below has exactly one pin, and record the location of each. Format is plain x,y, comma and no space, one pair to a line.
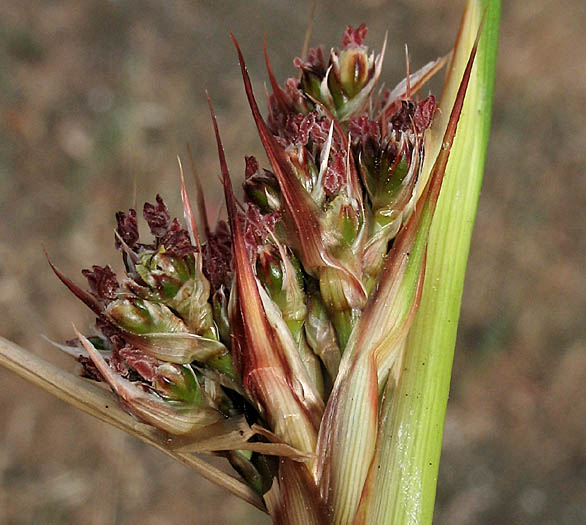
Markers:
255,316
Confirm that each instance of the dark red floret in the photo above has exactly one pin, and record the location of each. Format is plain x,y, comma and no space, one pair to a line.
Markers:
362,129
176,240
251,167
297,128
301,128
314,63
145,365
107,329
257,228
217,256
424,113
293,91
157,217
320,130
401,120
127,228
88,369
102,282
354,37
116,361
335,175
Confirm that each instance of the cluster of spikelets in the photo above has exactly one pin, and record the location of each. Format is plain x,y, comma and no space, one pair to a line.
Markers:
276,333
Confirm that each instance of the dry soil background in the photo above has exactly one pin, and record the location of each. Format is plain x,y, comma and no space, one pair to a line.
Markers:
94,93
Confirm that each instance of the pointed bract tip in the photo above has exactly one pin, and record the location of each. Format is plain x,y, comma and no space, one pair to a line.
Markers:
85,297
441,161
279,93
188,212
227,183
201,206
235,44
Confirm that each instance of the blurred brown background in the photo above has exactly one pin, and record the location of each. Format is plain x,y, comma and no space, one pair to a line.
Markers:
94,93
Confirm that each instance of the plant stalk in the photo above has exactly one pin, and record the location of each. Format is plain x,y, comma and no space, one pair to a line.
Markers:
413,413
100,403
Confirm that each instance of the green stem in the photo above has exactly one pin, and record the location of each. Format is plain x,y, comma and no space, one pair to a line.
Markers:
413,413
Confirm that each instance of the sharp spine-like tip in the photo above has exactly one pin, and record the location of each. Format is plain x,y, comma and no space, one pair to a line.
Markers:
201,205
188,213
227,183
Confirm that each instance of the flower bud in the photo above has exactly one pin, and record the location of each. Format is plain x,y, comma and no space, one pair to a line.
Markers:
163,274
191,303
270,273
182,384
280,275
390,167
261,187
142,317
344,223
177,406
178,383
139,316
321,336
220,311
241,461
157,331
340,291
170,295
345,84
352,65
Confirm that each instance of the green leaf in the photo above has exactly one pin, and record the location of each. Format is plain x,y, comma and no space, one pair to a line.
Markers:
413,412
